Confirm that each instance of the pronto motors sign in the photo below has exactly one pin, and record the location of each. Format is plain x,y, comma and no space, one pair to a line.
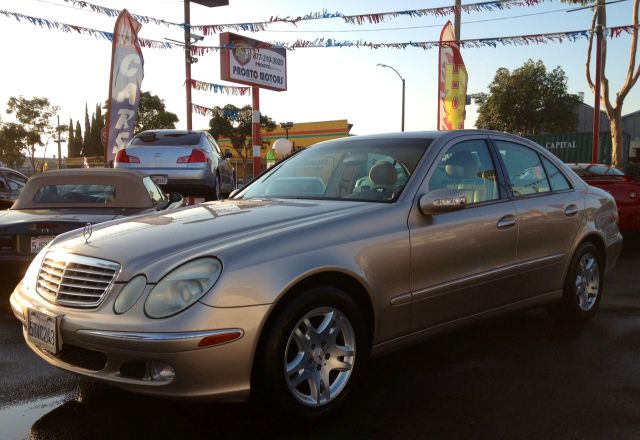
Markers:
252,62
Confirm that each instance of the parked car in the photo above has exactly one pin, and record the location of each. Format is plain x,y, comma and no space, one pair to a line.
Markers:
58,201
189,162
350,248
624,189
11,183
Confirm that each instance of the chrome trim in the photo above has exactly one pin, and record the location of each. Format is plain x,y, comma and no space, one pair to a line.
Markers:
438,289
61,272
159,337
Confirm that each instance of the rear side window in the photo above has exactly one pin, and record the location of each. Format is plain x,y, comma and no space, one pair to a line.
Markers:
556,178
75,193
166,139
525,170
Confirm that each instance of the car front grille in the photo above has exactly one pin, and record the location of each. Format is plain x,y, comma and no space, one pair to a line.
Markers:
75,281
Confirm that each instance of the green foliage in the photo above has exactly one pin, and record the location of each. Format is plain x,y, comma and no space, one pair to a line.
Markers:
77,142
12,139
235,123
86,141
152,114
34,116
70,139
529,100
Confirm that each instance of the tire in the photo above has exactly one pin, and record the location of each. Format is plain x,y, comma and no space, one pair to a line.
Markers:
583,287
214,193
311,354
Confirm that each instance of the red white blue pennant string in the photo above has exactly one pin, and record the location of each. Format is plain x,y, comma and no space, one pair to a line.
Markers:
517,40
70,28
208,29
207,111
218,88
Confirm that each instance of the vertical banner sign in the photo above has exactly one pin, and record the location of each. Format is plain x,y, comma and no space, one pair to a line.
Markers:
452,82
127,72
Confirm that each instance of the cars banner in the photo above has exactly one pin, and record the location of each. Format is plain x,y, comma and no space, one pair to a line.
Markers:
127,72
452,82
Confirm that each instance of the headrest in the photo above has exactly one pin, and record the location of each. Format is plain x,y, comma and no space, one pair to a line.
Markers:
383,173
462,165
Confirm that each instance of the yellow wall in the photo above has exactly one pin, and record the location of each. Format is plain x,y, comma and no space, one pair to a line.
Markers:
301,135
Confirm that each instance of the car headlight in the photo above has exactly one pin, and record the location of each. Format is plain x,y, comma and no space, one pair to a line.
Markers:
30,279
182,287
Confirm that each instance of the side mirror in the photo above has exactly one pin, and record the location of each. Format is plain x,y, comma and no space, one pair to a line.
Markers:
442,200
228,154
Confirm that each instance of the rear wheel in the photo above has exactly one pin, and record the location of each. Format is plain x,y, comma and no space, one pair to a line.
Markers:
311,353
583,286
214,193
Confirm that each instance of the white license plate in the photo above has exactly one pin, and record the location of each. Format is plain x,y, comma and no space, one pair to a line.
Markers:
160,180
42,330
37,243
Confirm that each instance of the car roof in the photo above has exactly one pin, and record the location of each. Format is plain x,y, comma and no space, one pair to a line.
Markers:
11,170
130,191
170,131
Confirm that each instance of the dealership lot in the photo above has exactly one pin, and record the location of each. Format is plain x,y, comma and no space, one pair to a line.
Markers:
520,376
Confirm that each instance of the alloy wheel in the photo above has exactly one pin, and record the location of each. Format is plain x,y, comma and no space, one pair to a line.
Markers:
587,282
319,356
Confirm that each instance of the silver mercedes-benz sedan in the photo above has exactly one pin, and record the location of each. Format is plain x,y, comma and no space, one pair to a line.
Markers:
350,248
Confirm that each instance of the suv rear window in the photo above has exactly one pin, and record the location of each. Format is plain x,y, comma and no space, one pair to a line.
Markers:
166,139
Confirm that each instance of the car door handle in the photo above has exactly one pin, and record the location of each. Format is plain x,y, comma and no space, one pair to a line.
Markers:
571,210
507,222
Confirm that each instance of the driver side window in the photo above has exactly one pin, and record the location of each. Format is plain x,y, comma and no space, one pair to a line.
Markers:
467,167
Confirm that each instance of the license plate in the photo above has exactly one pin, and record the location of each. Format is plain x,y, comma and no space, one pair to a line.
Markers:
37,243
160,180
42,330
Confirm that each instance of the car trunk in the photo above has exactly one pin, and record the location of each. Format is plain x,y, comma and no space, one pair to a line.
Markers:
161,157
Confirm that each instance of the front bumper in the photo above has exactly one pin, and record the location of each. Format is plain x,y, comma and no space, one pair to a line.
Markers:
121,349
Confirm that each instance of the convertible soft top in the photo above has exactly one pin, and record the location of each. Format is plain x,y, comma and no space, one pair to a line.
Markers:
130,191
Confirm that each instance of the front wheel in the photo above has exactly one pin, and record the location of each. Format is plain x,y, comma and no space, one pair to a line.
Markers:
583,286
311,353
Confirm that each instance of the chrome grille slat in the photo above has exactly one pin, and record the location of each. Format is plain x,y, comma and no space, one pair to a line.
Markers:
93,280
75,281
80,286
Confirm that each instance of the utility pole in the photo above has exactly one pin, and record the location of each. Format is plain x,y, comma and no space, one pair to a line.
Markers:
596,105
187,59
456,19
59,149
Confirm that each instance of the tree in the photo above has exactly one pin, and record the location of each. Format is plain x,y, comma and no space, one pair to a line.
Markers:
86,141
35,117
12,140
77,142
613,111
71,140
235,123
528,100
152,114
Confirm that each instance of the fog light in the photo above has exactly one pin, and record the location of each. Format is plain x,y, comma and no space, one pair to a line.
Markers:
161,371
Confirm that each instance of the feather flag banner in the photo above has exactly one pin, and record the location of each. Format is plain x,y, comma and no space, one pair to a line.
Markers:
452,82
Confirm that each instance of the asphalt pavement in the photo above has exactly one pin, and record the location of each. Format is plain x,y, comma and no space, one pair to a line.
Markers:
518,376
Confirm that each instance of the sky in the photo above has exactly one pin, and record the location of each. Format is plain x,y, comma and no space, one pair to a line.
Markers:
323,83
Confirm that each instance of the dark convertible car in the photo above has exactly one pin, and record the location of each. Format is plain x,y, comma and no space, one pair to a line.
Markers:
58,201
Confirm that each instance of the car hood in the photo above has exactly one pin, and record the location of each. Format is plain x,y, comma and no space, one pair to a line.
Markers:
205,229
17,221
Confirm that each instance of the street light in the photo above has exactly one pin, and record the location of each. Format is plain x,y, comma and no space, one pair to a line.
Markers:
286,126
400,76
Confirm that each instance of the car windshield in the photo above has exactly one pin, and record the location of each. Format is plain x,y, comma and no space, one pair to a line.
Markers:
597,170
166,139
351,169
75,193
